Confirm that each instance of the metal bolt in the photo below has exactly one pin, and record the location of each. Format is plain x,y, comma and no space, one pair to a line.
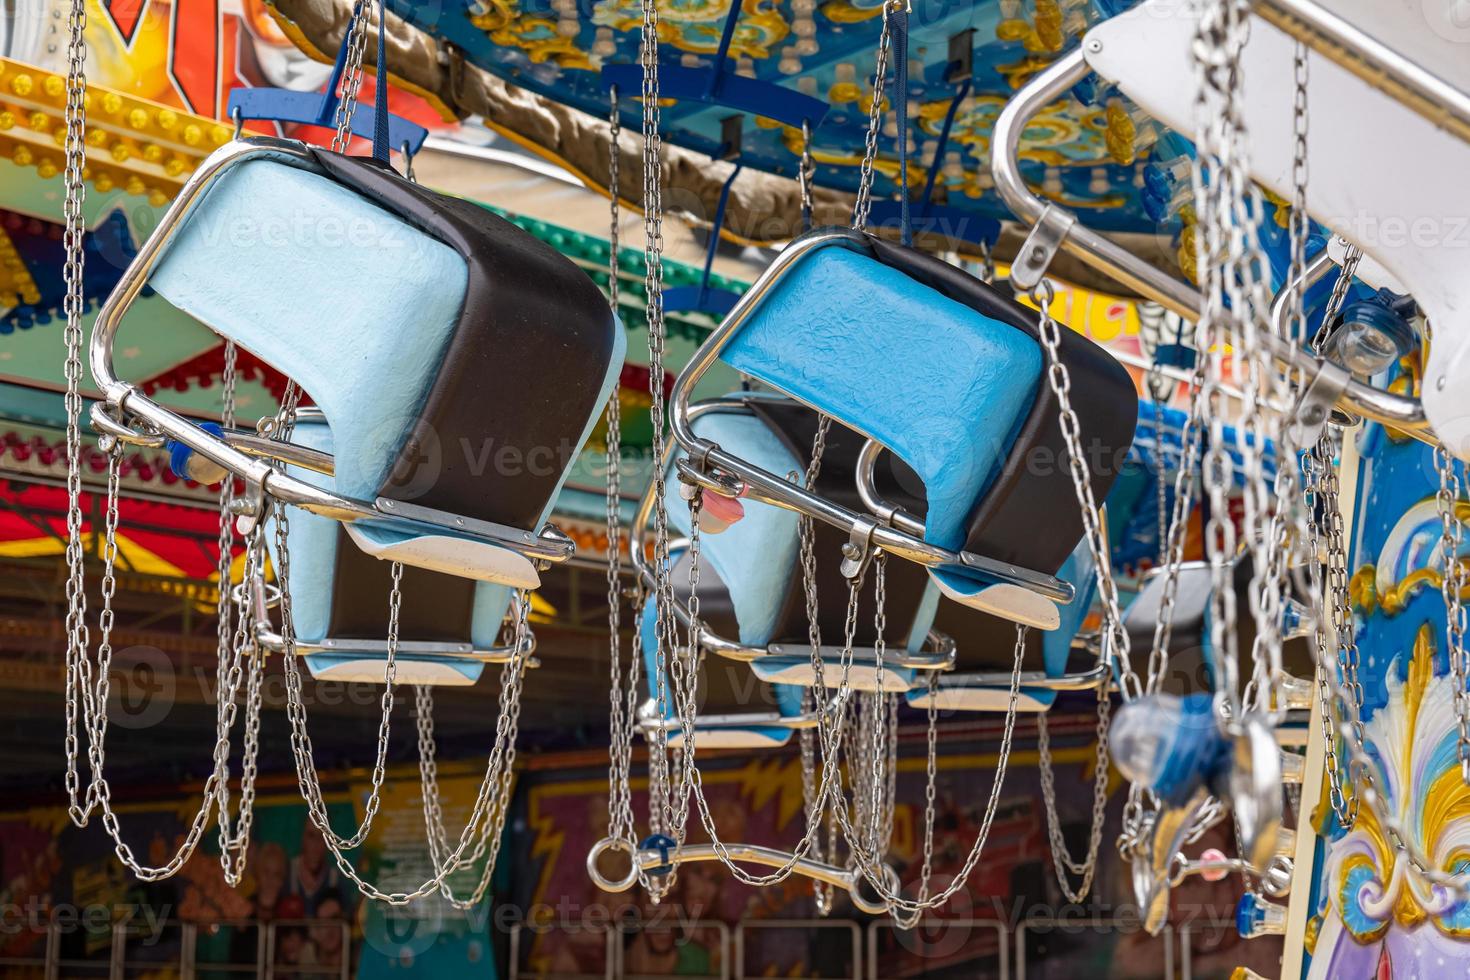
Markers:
1094,46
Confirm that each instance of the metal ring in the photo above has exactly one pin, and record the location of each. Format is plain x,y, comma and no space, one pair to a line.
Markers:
863,904
602,881
106,423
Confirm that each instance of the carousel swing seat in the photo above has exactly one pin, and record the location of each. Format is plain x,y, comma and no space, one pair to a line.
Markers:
449,626
985,642
736,709
751,591
948,375
391,306
1372,182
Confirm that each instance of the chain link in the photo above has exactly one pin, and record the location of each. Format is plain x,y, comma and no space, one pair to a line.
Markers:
1062,861
1453,580
864,199
356,44
75,190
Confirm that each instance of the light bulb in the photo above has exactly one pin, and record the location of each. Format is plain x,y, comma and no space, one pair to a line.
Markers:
1370,338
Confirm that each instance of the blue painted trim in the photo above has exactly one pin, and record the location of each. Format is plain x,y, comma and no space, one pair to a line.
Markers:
717,87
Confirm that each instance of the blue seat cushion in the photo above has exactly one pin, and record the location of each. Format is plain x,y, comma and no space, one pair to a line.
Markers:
935,381
339,593
393,306
755,557
362,329
1026,485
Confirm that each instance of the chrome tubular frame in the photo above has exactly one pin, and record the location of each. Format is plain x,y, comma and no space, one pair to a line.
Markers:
867,487
763,719
940,649
1035,680
125,407
1058,227
259,595
775,489
275,643
651,859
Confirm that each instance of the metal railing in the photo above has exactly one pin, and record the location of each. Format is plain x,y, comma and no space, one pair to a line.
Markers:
939,948
748,926
122,952
934,943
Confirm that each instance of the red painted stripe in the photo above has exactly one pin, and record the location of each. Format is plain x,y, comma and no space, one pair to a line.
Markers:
125,15
194,53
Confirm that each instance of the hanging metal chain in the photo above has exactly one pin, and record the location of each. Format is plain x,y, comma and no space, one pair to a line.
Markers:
235,638
814,796
75,190
1453,581
1062,861
622,701
95,720
1235,303
1270,578
301,745
1115,640
87,686
869,863
486,824
1298,221
863,201
1330,579
356,44
662,805
1172,547
931,772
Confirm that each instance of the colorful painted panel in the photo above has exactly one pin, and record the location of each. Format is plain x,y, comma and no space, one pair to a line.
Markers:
1079,154
1371,917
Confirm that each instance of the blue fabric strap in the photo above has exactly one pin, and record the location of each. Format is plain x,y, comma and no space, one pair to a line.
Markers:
901,109
714,230
380,100
940,146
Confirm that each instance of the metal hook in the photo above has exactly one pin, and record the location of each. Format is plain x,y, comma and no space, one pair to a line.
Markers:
408,173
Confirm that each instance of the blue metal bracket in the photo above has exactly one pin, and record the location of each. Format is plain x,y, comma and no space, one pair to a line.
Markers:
320,108
705,298
717,86
941,220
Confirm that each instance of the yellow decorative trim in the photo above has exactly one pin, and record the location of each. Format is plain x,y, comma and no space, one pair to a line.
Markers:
1397,599
1363,589
16,283
845,12
142,147
696,26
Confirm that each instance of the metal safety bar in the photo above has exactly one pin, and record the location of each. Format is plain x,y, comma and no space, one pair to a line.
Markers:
938,652
655,860
123,401
773,488
1054,227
